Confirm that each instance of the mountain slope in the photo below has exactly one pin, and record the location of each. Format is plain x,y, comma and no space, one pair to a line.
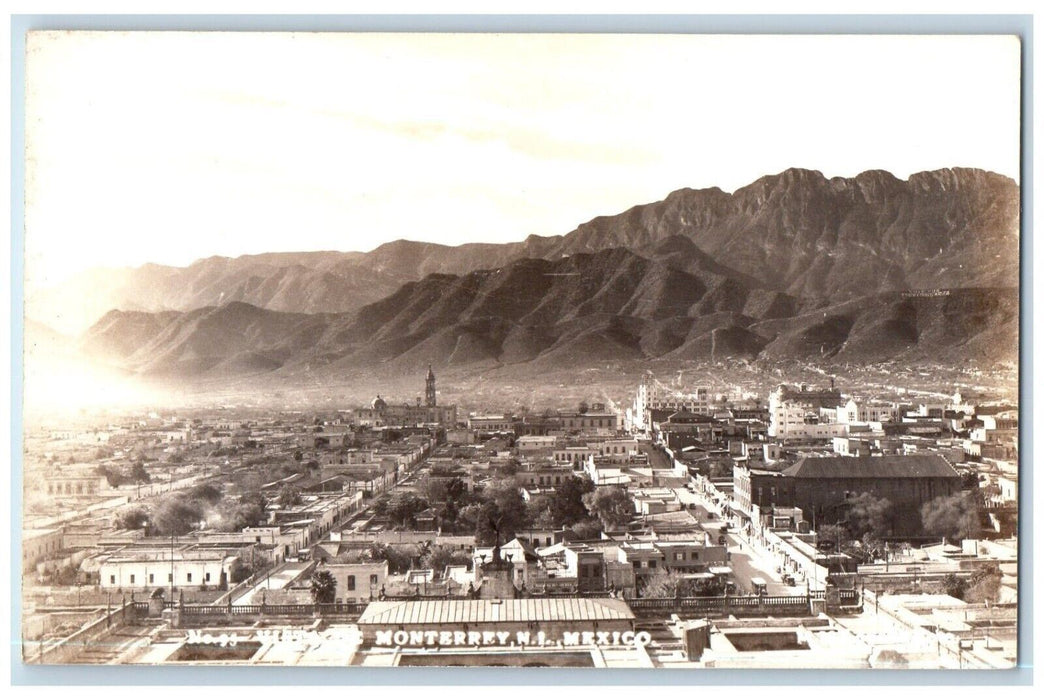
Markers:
583,310
796,232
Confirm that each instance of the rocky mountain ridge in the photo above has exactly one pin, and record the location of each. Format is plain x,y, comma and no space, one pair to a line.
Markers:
796,232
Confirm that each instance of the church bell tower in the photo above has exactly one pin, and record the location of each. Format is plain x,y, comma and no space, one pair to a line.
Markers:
429,388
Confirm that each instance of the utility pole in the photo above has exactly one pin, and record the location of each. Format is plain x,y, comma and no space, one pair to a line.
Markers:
172,568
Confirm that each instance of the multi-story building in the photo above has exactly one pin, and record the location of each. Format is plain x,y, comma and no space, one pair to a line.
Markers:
853,411
599,423
794,413
654,397
822,487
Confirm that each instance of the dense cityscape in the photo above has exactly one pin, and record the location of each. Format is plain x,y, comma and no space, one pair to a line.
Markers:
698,526
585,348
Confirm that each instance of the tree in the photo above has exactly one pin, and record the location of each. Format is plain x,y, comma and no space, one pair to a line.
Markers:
381,504
138,473
984,585
869,515
298,455
664,584
176,515
245,515
502,513
113,477
587,529
399,559
206,492
133,518
438,558
582,408
567,503
324,586
467,517
402,512
610,504
456,498
832,535
288,496
434,490
240,571
953,517
456,490
955,586
67,575
538,511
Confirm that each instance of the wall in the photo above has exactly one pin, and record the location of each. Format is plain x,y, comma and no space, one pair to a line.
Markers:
116,575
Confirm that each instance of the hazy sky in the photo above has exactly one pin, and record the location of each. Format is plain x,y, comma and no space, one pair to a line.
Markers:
150,147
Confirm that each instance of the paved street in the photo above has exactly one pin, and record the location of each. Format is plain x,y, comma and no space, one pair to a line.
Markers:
746,562
745,565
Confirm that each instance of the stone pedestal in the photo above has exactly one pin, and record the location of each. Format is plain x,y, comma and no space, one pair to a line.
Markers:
155,607
697,638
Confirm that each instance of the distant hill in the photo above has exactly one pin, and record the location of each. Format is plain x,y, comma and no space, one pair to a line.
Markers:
589,308
796,233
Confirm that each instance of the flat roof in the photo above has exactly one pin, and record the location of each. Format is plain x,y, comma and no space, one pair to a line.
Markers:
435,612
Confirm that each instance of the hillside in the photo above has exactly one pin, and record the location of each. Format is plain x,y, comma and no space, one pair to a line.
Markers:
797,232
582,310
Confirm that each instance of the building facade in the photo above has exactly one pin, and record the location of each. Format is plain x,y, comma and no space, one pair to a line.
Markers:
823,487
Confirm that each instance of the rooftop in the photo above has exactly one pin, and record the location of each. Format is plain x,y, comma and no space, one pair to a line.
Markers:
882,467
435,612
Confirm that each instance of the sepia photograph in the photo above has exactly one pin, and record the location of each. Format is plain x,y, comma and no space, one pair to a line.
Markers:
525,350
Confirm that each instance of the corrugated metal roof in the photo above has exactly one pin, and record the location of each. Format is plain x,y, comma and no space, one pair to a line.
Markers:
883,467
437,612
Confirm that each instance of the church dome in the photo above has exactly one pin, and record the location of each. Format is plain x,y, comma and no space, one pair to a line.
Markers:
378,404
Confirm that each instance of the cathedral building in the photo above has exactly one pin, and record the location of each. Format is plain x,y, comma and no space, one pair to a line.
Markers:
381,414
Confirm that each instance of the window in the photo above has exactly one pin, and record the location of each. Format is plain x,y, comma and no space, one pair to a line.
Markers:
679,556
189,578
652,564
112,579
170,578
350,583
637,564
373,579
132,578
152,578
206,577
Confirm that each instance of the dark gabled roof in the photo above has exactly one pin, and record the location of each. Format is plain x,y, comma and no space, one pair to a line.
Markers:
882,467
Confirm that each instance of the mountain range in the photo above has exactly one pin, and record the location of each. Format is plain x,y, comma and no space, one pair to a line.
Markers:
792,266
